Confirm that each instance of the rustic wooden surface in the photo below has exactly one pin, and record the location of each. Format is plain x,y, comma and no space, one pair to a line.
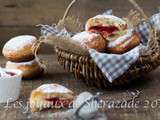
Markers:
20,17
148,86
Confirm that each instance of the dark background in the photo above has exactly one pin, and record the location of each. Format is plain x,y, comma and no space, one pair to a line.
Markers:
20,16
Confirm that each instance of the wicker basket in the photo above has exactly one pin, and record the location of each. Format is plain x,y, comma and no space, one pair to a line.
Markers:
84,68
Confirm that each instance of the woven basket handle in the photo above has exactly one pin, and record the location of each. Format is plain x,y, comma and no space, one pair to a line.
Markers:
68,9
133,2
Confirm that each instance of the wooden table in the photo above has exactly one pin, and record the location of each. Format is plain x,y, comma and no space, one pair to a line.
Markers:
146,109
20,17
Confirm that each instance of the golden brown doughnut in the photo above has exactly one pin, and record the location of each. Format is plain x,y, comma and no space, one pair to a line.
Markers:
90,40
123,43
19,49
29,69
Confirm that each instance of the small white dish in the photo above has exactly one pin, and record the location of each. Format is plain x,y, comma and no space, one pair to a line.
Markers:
10,85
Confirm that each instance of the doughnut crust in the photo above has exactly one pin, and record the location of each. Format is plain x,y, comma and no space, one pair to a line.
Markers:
29,69
90,40
19,49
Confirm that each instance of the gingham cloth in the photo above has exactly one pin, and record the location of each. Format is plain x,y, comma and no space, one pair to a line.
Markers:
113,65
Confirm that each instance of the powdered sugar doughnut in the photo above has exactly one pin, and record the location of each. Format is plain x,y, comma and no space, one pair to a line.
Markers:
90,40
29,69
19,48
51,96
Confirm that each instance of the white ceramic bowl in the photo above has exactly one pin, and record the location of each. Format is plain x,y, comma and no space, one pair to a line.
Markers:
10,86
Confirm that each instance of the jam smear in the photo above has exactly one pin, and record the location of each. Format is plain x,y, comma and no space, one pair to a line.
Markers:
105,31
58,102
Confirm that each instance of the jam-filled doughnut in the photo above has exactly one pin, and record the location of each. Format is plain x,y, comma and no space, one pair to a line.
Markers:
51,96
19,48
105,24
29,69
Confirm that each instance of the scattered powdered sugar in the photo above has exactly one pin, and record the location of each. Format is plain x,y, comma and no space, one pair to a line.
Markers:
19,42
121,39
53,88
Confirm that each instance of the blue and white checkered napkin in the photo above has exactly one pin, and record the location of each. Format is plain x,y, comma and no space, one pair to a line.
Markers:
113,65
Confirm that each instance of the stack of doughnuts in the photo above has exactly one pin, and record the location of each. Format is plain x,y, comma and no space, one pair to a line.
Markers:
18,52
109,34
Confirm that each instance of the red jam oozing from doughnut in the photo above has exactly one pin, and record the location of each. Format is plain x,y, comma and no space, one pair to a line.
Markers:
11,74
105,31
58,102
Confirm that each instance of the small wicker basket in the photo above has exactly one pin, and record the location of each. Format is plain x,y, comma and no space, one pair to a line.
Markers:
84,68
